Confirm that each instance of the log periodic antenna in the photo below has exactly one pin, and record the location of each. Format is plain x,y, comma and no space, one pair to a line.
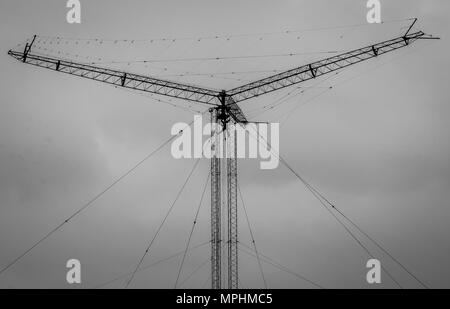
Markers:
224,110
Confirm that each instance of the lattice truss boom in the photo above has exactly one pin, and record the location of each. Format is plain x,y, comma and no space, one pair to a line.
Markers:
213,97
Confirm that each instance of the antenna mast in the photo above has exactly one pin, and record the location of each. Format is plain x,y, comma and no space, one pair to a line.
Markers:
224,110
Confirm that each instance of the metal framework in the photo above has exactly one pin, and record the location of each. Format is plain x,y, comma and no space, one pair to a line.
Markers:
225,109
216,205
232,216
122,79
319,68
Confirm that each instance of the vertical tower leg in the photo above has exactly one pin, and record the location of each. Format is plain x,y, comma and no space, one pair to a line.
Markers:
224,225
224,214
215,206
232,217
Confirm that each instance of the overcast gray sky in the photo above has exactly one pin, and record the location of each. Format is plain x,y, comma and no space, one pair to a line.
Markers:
377,144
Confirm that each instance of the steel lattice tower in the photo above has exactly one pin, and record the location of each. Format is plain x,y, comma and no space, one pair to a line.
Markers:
232,216
224,226
216,206
225,112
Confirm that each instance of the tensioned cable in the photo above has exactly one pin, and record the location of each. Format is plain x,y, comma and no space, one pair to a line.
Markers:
376,67
188,108
378,245
163,222
214,77
351,234
190,73
208,277
198,269
252,236
220,57
333,206
23,44
328,89
218,36
311,99
205,262
276,104
90,202
366,234
84,62
261,110
152,264
278,265
292,94
240,283
319,197
313,191
58,40
346,217
192,230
